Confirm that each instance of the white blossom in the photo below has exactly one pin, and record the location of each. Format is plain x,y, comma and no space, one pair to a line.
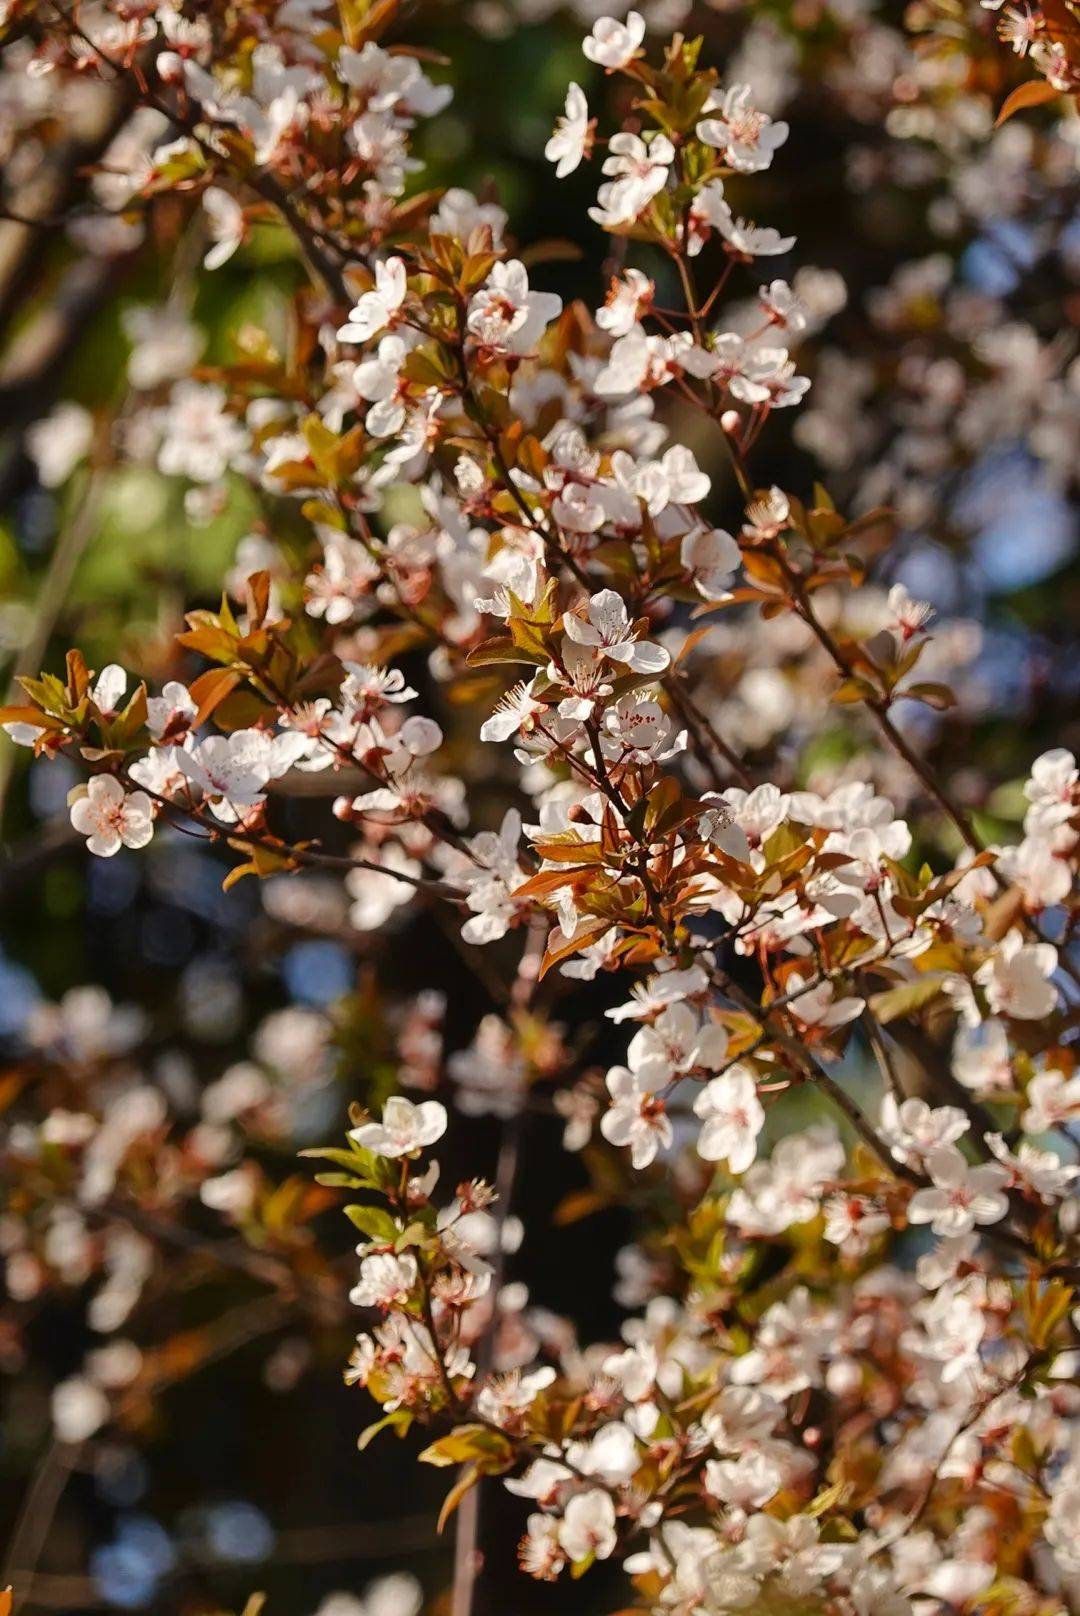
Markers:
381,306
961,1196
385,1280
747,138
110,817
58,442
1016,978
733,1117
588,1526
404,1129
608,627
612,44
569,143
1052,1100
505,316
636,1117
224,223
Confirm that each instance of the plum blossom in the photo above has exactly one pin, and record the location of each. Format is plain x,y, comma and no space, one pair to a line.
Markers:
573,133
1040,1171
1041,866
782,306
588,1526
852,1221
676,1042
636,1117
164,344
788,1349
711,556
108,689
169,716
58,442
935,1268
199,438
608,627
484,482
233,770
639,360
490,880
637,171
913,1128
1053,791
379,308
391,83
961,1196
385,1280
505,316
820,1007
508,1396
733,1117
225,225
747,138
378,380
1052,1101
540,1552
111,818
1016,978
405,1128
743,820
746,240
628,299
786,1188
906,616
544,1480
612,44
746,1483
675,479
981,1058
635,1370
515,711
460,213
637,726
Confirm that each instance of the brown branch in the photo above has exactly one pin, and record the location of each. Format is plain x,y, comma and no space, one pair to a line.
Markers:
38,1511
468,1558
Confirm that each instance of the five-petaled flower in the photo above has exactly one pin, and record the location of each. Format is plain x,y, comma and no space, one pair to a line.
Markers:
961,1196
505,316
608,628
111,818
379,308
613,44
405,1128
637,1117
733,1117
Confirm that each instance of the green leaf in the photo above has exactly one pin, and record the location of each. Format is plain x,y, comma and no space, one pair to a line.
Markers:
398,1422
467,1480
934,695
908,997
373,1221
465,1444
854,690
501,650
343,1158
